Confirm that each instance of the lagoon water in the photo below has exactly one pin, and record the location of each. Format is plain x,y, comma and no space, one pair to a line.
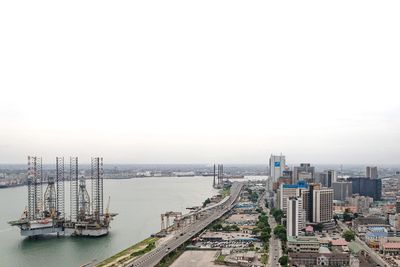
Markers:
138,201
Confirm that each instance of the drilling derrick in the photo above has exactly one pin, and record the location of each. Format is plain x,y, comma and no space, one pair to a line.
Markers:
35,183
74,197
60,187
50,197
84,201
97,188
220,175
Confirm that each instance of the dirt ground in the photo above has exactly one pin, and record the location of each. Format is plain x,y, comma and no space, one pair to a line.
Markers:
195,258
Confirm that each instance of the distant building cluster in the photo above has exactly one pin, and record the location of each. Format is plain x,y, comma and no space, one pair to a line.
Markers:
316,203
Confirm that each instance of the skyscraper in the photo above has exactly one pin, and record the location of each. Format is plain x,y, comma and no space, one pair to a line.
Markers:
371,172
277,165
326,178
322,205
295,216
365,186
342,190
332,177
286,191
317,203
304,172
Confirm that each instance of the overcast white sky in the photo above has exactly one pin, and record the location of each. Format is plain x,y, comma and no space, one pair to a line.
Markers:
200,81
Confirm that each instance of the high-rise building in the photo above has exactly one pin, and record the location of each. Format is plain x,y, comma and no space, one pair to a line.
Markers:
295,216
308,200
287,191
304,172
277,165
342,190
321,178
322,205
365,186
317,203
326,178
371,172
332,177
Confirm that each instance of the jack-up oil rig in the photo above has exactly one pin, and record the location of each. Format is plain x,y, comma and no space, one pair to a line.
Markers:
45,214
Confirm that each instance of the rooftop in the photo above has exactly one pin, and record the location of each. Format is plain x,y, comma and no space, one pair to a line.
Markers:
302,239
391,245
339,242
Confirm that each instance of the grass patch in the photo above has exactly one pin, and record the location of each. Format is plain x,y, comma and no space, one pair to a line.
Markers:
264,259
148,248
226,192
221,258
171,257
133,251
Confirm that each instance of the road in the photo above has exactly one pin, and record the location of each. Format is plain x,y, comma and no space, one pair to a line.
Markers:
374,256
275,246
155,256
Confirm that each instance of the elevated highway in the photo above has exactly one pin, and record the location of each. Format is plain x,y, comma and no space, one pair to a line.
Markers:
180,237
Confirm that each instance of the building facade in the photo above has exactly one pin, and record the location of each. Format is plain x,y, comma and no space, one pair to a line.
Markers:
287,191
361,203
322,205
295,221
342,190
277,165
319,259
365,186
304,172
371,172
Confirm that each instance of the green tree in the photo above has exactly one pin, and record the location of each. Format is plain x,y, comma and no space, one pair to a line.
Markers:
235,228
278,214
347,216
348,235
284,260
280,232
207,201
319,227
217,227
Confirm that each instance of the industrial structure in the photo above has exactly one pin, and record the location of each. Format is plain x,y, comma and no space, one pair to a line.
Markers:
219,183
45,213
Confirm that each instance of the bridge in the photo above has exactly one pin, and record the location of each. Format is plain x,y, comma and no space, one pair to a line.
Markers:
180,237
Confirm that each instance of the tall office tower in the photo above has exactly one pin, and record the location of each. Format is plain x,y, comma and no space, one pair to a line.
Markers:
277,165
371,172
287,191
326,178
365,186
308,200
342,190
295,216
322,205
332,177
321,178
304,172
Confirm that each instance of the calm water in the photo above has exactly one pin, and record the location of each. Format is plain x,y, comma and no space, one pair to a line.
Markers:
139,203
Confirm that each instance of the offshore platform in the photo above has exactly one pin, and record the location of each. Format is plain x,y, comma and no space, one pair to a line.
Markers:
45,213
